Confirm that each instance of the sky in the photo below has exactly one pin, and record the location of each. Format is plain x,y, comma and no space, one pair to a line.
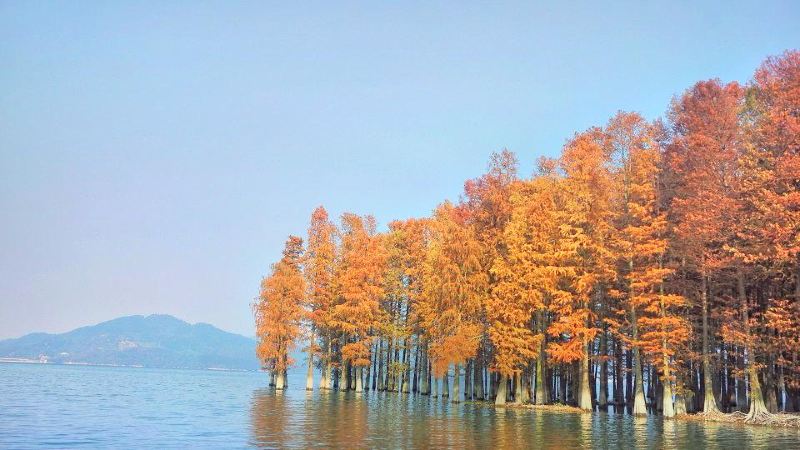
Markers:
155,155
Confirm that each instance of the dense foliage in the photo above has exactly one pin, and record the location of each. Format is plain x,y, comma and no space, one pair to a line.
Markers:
652,266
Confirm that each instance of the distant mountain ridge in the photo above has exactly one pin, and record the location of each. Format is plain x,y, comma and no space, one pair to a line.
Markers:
160,341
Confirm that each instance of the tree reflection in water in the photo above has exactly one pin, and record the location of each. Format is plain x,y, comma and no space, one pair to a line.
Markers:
301,419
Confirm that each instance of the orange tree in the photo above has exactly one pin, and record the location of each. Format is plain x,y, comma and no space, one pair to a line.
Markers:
279,311
359,286
455,286
318,270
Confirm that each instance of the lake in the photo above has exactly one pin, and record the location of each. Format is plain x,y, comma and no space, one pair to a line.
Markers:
80,406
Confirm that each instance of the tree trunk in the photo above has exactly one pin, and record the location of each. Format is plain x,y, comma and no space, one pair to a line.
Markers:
526,375
709,402
468,380
351,379
415,378
343,376
741,386
500,399
381,367
456,398
667,405
619,394
477,379
310,371
585,394
602,399
280,380
639,404
757,407
446,384
771,398
310,374
629,389
425,373
326,381
518,388
368,369
359,381
541,381
405,385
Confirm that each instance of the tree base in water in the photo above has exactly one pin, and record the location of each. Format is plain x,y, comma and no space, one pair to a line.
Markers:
791,420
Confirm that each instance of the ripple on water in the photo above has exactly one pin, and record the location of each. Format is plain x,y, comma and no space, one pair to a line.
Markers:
80,406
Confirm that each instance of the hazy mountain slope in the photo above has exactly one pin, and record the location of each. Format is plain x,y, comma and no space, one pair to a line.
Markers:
151,341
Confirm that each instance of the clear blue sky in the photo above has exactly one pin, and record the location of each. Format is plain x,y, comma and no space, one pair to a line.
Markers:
154,155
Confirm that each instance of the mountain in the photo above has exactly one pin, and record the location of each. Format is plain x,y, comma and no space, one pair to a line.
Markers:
150,341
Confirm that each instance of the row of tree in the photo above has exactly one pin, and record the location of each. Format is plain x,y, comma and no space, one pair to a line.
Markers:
652,266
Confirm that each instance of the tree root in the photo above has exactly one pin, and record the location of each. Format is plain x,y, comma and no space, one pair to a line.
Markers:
758,417
763,417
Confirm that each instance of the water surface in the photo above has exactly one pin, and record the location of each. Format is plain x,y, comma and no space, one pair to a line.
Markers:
78,406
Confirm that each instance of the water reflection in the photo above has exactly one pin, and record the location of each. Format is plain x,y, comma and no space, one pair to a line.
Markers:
300,419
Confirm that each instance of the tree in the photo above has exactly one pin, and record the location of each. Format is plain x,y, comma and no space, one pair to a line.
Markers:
319,267
488,201
454,290
526,275
641,243
279,311
359,285
703,159
586,258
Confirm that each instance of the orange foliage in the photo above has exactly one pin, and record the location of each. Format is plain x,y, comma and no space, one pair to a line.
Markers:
359,285
279,308
455,286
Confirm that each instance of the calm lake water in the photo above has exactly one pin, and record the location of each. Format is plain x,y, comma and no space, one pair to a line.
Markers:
78,406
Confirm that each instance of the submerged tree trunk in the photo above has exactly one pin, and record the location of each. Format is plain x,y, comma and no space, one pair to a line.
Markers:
525,394
541,381
456,398
585,393
477,380
406,385
327,368
639,404
366,372
667,405
468,380
342,376
310,371
425,373
381,368
500,399
446,384
602,397
280,380
359,373
518,389
415,377
619,394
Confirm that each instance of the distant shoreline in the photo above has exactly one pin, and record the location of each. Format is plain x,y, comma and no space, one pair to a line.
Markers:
4,360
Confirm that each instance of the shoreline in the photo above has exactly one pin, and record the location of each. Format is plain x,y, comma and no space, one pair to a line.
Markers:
131,366
776,420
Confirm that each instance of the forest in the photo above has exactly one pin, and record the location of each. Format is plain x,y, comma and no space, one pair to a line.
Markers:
652,268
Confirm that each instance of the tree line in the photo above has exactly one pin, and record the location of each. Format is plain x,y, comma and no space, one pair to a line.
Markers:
653,267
